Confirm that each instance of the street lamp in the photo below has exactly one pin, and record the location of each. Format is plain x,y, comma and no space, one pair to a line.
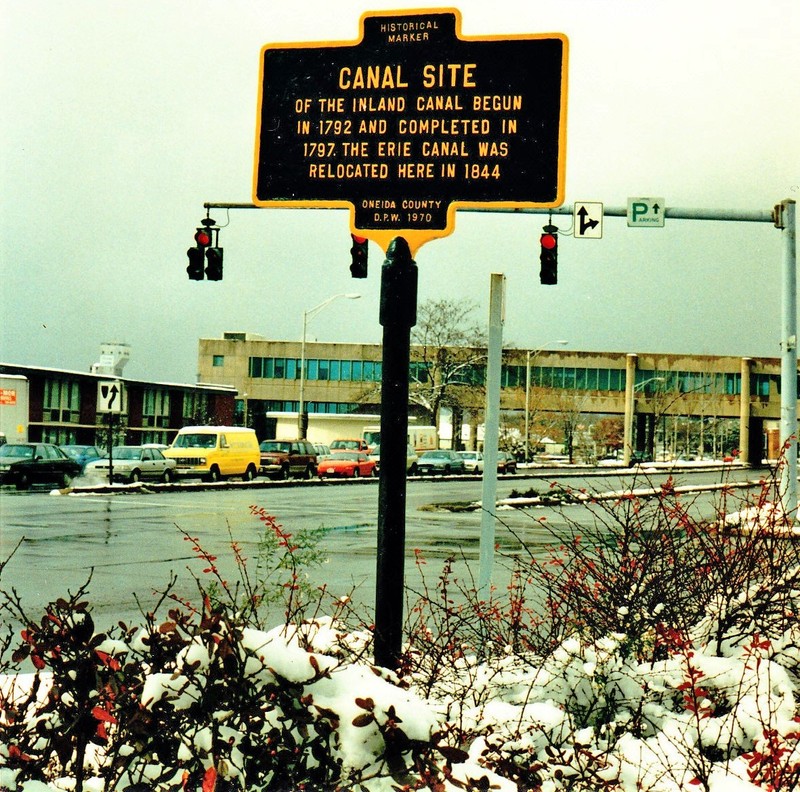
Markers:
528,356
307,316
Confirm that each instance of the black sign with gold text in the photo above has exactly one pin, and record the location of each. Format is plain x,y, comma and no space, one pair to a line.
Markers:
411,122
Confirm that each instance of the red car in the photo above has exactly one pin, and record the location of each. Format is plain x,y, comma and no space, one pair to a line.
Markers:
347,464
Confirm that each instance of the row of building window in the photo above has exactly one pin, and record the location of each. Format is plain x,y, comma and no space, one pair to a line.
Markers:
316,369
287,405
62,403
514,376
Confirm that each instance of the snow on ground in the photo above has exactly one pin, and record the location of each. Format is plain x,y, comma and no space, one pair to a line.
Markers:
723,720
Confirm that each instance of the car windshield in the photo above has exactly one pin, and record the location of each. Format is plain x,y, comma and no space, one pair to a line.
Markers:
195,440
127,452
436,455
275,446
17,451
347,444
345,456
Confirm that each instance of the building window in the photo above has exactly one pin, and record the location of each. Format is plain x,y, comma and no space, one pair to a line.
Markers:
218,360
195,407
155,407
61,401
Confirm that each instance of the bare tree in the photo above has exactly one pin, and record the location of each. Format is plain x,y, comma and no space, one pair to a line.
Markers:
448,358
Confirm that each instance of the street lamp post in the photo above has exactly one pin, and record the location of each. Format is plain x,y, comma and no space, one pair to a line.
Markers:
307,316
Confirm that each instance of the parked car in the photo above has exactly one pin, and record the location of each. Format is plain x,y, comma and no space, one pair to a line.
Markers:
411,458
440,461
473,461
506,462
347,464
350,445
82,454
323,450
23,464
281,459
131,464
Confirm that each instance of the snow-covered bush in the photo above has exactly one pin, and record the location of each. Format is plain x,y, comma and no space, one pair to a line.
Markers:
650,652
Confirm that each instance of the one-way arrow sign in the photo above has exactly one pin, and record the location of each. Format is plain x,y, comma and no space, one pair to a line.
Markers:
587,217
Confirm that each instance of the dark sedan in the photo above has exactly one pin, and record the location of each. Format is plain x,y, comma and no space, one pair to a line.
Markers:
440,461
23,464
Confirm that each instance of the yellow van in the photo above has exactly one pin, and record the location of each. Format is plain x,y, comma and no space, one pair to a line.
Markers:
215,452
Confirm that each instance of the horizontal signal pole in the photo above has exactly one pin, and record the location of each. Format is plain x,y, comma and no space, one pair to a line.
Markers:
675,212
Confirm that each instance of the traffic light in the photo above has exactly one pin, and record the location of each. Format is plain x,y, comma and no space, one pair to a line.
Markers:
195,268
548,272
214,265
203,237
359,253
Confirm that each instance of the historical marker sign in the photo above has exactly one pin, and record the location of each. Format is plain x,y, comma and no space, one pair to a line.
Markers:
412,121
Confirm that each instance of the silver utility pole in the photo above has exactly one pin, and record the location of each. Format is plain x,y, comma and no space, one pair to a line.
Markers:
490,434
785,220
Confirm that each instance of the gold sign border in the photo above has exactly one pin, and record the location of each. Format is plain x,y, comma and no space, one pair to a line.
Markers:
416,237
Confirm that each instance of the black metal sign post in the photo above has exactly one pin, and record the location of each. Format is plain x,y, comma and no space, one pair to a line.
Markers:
403,126
398,314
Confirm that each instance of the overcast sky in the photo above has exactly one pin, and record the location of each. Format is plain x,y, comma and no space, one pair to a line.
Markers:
119,120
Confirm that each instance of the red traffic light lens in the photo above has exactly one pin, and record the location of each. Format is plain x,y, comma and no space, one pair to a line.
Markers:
202,237
359,240
548,241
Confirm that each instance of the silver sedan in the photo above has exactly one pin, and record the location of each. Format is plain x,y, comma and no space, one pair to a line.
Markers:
132,464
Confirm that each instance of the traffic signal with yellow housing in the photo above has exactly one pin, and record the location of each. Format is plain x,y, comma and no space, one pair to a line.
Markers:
359,253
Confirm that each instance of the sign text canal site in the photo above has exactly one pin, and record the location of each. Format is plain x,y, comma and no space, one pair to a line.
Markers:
411,119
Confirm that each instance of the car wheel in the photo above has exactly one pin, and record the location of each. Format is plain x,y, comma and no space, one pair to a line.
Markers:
308,473
412,470
446,470
214,475
284,474
135,477
167,477
356,472
65,480
374,473
249,474
23,482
